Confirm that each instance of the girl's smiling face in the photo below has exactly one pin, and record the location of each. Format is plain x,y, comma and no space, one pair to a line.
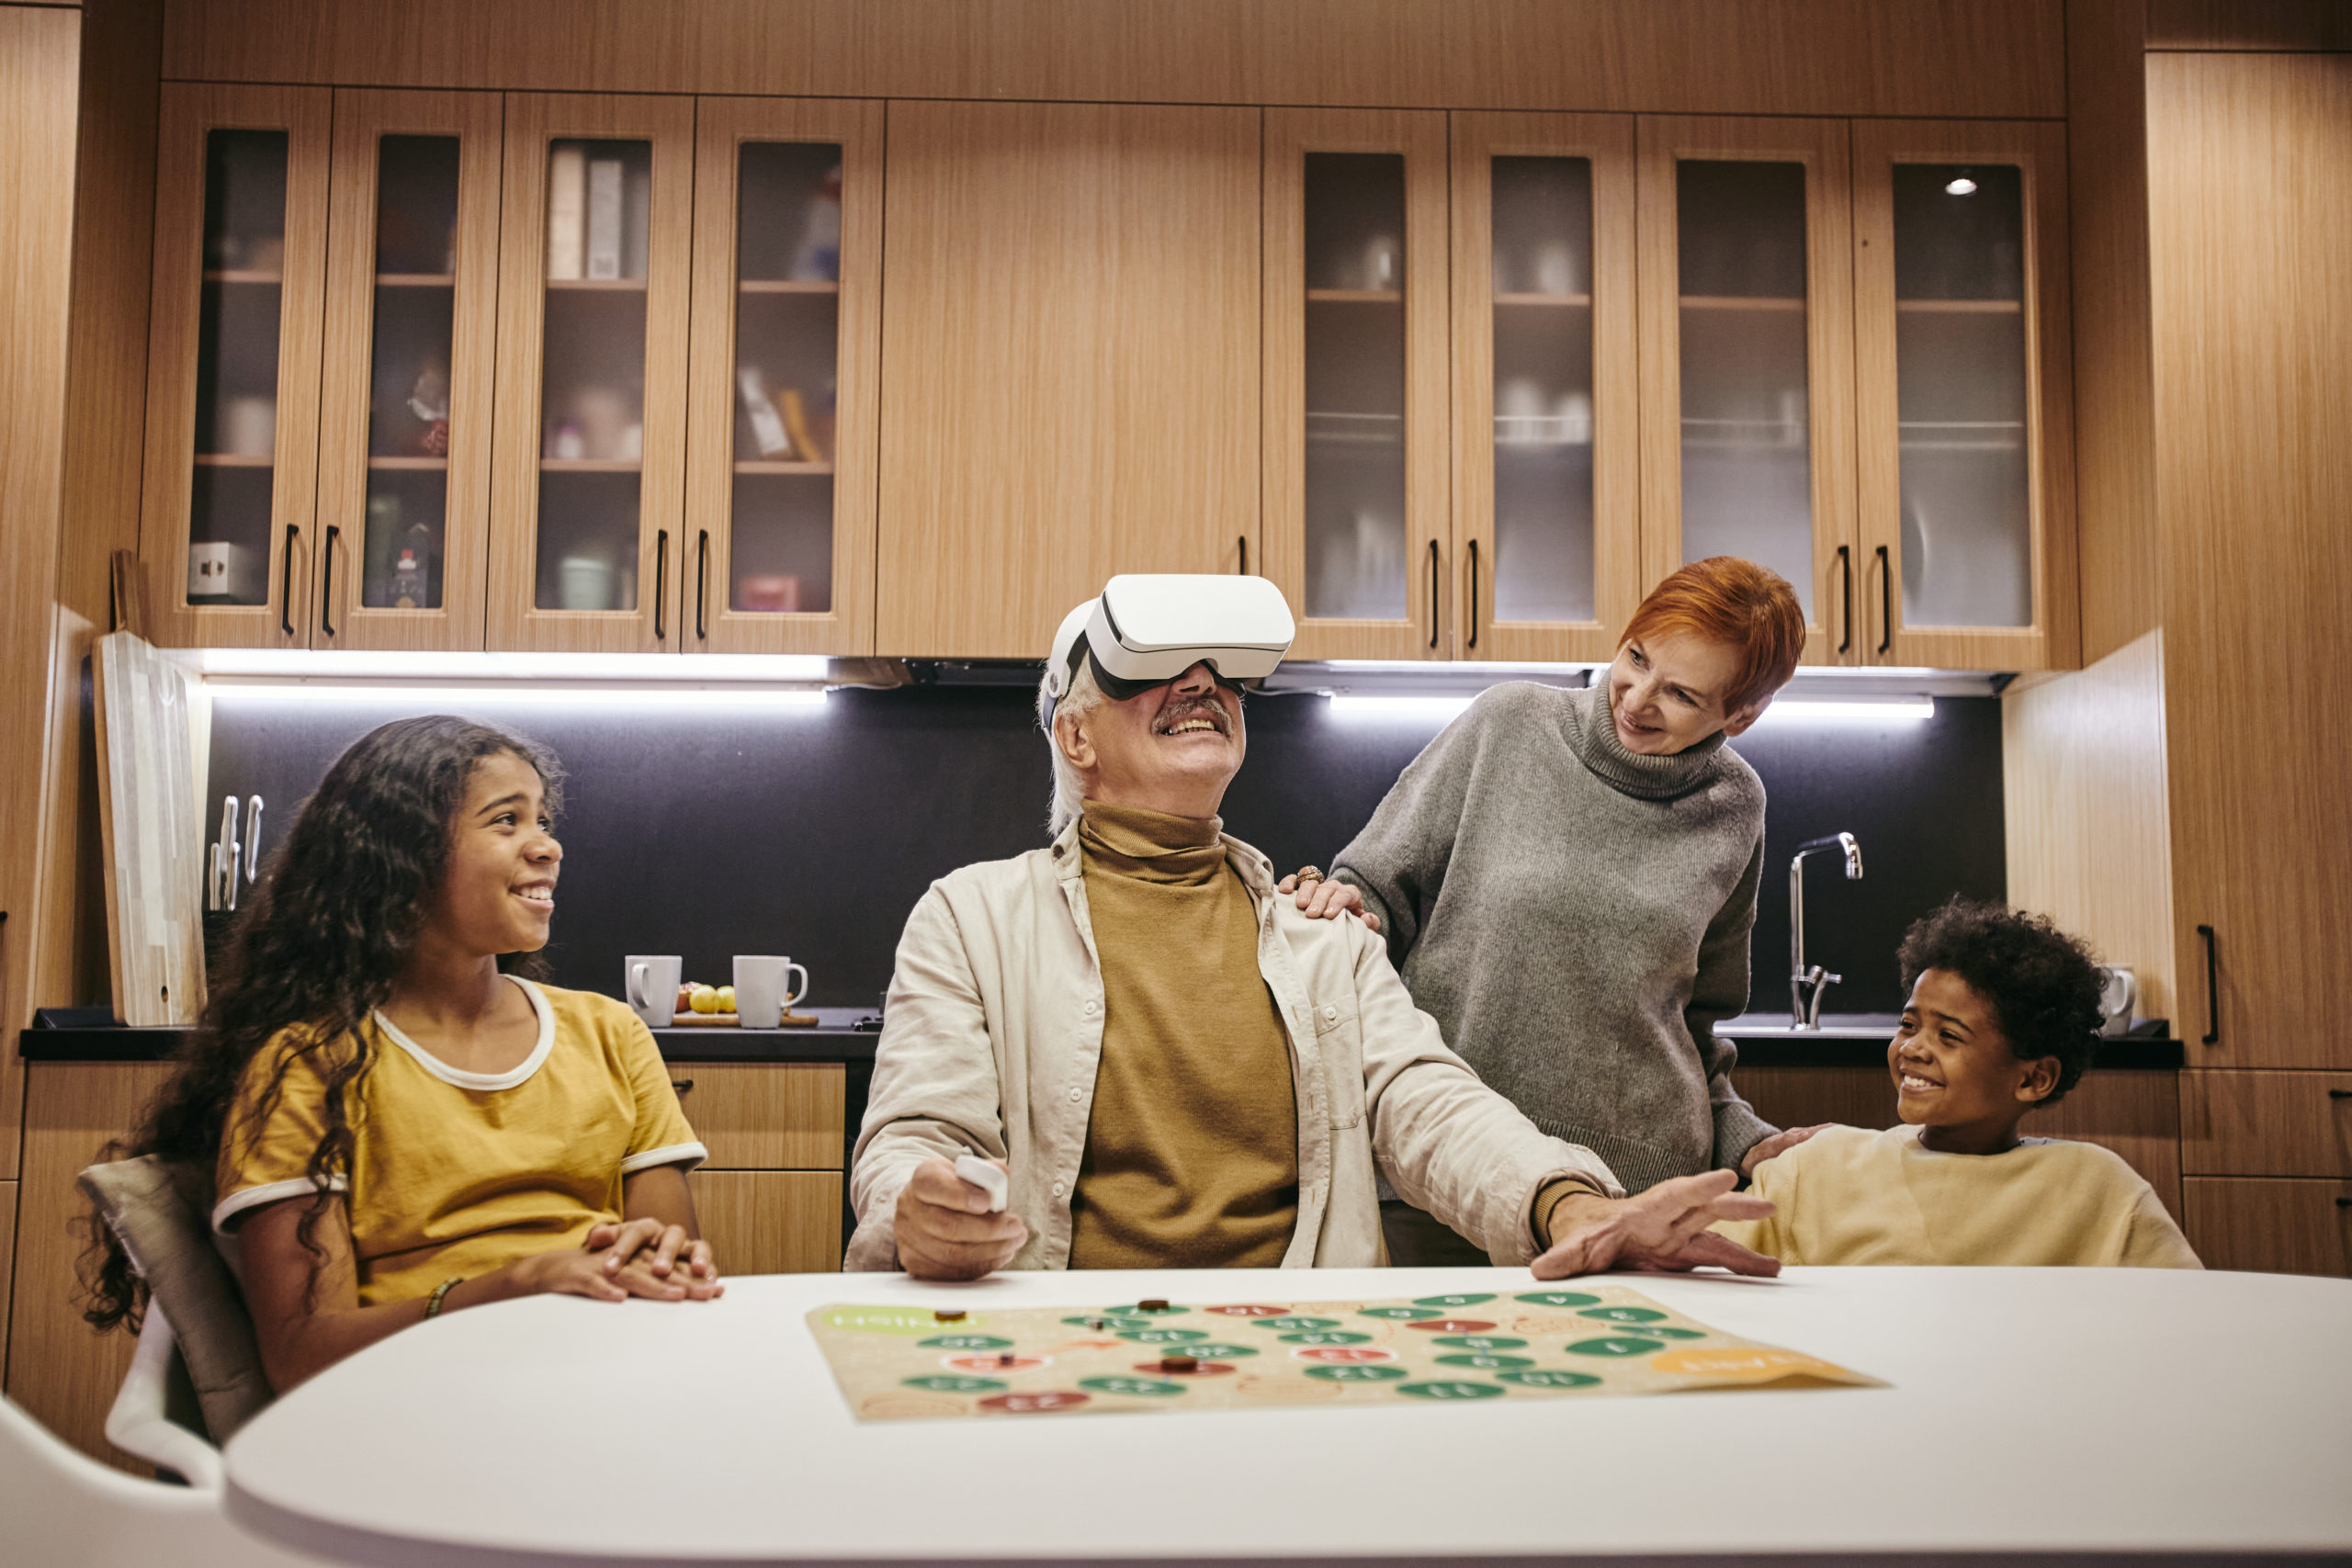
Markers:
1954,1075
498,894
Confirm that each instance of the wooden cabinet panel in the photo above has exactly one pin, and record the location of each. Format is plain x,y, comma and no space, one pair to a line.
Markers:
2254,469
765,1116
2133,1112
243,429
1605,322
2271,1226
8,1256
546,499
1744,345
780,1222
1303,312
370,362
2266,1123
1961,361
63,1374
1071,362
728,491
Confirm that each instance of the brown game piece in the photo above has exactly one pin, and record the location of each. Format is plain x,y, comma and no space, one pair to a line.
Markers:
948,1315
1179,1363
1155,1304
1004,1359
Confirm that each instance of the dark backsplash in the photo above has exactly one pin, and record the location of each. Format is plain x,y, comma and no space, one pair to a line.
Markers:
709,831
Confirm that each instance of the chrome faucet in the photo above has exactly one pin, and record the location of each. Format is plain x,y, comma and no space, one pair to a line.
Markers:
1806,985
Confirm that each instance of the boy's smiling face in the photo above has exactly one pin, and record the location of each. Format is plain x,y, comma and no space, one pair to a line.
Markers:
1953,1074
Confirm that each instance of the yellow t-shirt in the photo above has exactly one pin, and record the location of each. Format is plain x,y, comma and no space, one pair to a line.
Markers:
459,1173
1849,1195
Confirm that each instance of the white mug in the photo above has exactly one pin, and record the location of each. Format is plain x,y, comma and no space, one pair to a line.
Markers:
2118,989
652,986
762,998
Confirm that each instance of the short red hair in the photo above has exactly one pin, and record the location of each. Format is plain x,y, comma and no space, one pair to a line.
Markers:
1725,599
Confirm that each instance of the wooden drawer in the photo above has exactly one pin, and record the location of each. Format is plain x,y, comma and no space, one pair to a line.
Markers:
2134,1111
764,1115
771,1222
2273,1225
2265,1123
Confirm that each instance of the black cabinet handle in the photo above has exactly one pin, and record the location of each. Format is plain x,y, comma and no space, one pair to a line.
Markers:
1885,601
1845,572
1243,540
2343,1202
286,607
682,1085
1474,593
326,583
2212,988
2332,1094
702,582
661,579
1432,592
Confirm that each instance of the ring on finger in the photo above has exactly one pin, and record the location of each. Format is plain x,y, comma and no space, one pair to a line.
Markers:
1307,875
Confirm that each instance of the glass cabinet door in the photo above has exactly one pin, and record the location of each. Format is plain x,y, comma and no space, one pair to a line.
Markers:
1355,354
589,462
1545,449
1747,357
411,296
780,489
241,227
1960,338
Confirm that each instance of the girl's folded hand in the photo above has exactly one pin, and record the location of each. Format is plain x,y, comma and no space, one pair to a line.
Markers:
656,1255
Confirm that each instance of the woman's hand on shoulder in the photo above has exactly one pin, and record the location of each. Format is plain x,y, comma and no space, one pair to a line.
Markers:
1778,1144
1321,898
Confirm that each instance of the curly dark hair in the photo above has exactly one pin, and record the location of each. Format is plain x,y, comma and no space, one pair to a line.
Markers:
327,931
2042,984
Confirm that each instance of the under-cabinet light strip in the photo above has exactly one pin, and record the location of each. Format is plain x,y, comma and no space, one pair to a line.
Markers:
1879,711
460,694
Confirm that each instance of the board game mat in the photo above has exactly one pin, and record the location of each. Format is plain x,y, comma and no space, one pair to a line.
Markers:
907,1363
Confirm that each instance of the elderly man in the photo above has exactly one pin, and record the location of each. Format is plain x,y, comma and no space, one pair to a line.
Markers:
1175,1067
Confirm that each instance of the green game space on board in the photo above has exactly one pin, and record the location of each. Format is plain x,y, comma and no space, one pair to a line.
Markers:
1617,1346
1147,1388
1395,1315
1164,1335
1662,1331
1218,1350
1327,1336
950,1382
1107,1320
1558,1298
965,1342
1479,1342
1449,1388
1293,1324
1625,1314
1548,1377
1485,1363
1371,1371
1441,1302
1137,1309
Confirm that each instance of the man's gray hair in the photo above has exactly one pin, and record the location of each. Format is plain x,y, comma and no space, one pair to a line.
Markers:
1083,698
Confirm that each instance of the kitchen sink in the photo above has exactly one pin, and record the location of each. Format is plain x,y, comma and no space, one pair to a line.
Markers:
1878,1026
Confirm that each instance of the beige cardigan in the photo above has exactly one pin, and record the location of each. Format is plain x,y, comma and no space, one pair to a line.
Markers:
994,1028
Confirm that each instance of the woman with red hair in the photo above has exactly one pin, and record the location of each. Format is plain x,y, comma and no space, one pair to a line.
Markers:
1567,880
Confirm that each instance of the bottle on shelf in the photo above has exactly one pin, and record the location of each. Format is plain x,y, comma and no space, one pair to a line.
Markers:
408,582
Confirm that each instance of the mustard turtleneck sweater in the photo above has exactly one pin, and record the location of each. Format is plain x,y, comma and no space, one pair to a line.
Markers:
1192,1152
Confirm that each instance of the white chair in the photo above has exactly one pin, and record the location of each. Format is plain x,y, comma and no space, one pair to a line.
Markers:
60,1508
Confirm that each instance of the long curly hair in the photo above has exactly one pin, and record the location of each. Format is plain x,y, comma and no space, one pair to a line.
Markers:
327,931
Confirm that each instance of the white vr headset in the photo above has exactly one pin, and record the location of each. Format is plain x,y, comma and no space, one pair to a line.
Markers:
1141,632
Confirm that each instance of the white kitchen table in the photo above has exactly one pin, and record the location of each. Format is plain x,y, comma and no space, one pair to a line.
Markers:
2030,1412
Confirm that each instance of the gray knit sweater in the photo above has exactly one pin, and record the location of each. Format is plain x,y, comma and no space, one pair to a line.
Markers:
1576,916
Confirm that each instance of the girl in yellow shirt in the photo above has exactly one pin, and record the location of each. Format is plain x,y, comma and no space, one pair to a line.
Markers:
401,1124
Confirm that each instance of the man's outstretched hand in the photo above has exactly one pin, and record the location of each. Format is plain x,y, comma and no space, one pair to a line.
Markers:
1665,1227
944,1230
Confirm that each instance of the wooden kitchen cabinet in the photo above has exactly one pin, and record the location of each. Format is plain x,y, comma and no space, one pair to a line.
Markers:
1071,364
771,1222
226,534
1547,449
405,410
588,466
2266,1123
1747,412
786,364
1356,508
1963,395
763,1116
2275,1226
64,1373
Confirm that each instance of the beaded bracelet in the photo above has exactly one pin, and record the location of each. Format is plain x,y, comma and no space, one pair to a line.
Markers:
432,1302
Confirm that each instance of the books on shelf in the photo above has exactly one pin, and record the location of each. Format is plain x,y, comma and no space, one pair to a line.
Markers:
567,208
603,244
767,426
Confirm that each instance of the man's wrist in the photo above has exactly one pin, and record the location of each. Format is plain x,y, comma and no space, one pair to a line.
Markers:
1570,1202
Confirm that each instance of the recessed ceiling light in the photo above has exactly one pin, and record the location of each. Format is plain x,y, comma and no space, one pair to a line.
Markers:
1959,185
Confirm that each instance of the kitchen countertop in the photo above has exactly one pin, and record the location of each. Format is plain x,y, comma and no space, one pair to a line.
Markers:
1764,1040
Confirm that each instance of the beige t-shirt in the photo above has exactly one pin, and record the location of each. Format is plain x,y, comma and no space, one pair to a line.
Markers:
1851,1195
456,1173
